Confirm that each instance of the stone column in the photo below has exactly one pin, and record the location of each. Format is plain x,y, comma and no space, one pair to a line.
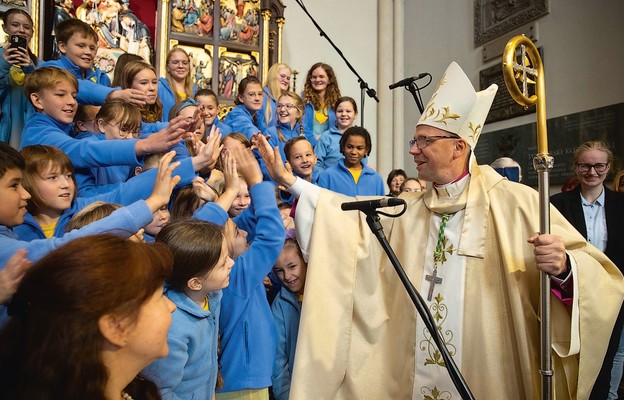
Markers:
385,65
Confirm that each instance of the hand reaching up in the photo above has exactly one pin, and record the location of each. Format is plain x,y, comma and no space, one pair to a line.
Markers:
132,96
12,274
164,139
273,160
232,181
207,153
247,165
164,184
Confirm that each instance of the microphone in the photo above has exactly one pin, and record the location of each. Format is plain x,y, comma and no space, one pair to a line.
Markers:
407,81
367,206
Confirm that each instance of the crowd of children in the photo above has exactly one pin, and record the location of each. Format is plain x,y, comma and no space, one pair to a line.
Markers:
147,158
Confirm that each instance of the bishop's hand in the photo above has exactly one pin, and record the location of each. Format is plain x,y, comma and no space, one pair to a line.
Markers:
550,254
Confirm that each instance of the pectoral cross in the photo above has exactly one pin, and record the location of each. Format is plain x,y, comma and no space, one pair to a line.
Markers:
433,280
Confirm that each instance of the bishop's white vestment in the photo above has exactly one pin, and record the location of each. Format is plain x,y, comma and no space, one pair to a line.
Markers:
360,336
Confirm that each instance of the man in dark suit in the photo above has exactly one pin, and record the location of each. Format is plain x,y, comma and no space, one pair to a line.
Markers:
598,214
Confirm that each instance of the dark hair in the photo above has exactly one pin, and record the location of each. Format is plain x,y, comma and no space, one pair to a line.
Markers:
38,157
56,311
289,144
344,99
68,28
206,92
121,62
393,174
185,204
10,159
242,85
356,131
196,247
5,21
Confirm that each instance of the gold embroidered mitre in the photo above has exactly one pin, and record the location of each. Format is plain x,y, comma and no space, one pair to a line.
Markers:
455,106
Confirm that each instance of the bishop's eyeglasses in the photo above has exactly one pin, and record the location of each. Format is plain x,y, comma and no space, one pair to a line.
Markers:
423,141
585,168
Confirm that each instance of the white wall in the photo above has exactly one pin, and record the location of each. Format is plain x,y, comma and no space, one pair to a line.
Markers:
352,26
583,53
582,41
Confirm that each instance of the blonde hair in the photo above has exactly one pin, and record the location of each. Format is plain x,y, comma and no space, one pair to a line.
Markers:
272,83
593,145
188,81
91,213
616,180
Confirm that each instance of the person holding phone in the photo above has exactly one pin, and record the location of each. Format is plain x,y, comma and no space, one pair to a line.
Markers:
16,60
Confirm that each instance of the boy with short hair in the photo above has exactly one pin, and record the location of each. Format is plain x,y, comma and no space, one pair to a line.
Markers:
124,222
52,91
78,44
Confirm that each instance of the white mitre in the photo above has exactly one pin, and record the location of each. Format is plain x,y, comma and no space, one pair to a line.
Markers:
455,106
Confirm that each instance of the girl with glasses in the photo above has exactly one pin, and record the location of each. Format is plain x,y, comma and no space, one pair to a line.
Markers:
290,112
598,214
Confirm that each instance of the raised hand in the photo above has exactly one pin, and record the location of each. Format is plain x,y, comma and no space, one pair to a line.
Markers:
133,96
164,184
164,139
17,56
12,274
232,181
247,165
273,160
207,153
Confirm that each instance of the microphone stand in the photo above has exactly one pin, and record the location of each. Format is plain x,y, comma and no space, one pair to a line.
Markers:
414,89
364,88
372,219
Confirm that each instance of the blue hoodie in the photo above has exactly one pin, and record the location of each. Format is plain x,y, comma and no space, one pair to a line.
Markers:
139,187
339,179
124,222
167,97
16,107
286,311
246,323
241,120
327,149
93,83
43,129
190,369
308,123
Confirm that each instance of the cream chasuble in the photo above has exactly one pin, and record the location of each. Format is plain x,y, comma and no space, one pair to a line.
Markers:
360,336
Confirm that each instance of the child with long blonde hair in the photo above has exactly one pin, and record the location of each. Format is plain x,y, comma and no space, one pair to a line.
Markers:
276,83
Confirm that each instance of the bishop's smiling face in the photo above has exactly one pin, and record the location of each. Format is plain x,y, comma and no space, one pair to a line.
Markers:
439,160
